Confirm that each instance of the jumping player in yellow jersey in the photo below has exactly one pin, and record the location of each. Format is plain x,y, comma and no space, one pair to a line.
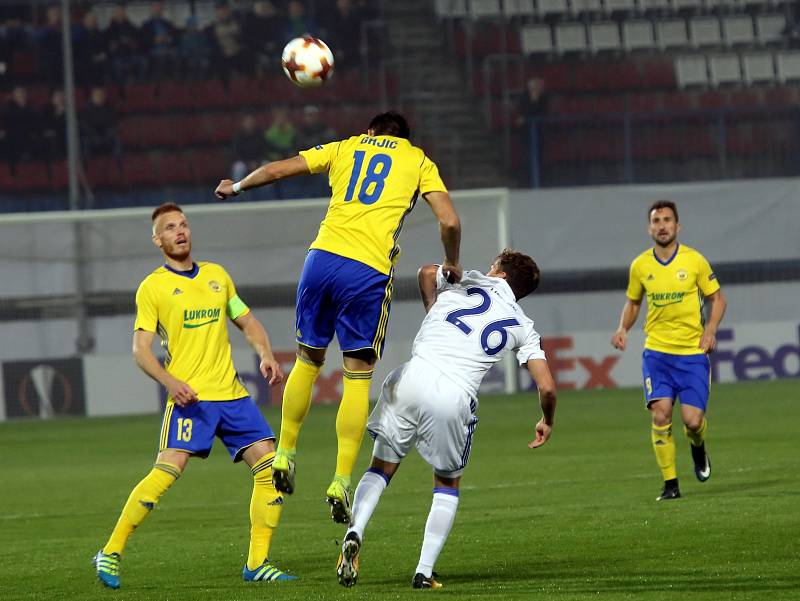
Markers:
346,284
187,304
676,280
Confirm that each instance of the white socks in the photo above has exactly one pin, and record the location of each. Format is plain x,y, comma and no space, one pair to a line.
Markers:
368,493
440,520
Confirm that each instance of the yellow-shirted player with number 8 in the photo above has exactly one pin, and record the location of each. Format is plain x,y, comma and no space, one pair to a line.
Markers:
346,284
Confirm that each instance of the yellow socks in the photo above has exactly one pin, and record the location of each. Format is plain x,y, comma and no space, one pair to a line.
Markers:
664,447
698,437
265,511
140,503
296,400
351,420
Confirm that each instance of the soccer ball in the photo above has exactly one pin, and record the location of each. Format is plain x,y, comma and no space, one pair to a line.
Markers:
307,61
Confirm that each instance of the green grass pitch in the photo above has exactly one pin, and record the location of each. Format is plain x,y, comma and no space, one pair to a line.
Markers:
574,520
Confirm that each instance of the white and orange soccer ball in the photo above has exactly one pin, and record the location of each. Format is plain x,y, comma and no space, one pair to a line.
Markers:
307,61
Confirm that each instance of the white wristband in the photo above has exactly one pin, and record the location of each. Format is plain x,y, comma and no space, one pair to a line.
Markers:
237,187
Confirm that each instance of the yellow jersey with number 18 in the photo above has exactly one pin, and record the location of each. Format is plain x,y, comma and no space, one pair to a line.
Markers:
675,289
190,310
375,182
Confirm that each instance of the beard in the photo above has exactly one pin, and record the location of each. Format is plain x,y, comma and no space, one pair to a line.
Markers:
178,253
666,241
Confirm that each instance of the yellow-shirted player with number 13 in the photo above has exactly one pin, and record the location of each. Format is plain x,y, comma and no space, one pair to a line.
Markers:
346,284
188,305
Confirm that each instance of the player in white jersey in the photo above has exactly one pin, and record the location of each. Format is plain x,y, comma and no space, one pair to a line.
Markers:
430,402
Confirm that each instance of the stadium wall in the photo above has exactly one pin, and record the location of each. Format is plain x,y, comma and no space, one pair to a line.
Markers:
583,230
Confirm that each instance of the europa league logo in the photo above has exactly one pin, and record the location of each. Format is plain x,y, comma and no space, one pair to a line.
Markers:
45,392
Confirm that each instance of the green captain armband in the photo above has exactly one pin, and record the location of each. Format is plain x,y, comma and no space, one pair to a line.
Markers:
236,307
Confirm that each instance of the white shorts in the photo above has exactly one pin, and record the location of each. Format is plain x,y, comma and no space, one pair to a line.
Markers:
421,407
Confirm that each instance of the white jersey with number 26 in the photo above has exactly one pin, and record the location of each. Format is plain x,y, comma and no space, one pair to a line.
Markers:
471,326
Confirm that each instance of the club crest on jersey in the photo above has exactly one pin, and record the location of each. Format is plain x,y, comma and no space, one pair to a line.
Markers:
682,275
214,285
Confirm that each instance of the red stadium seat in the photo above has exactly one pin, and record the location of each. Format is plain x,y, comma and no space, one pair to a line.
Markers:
712,100
744,99
247,92
210,165
31,176
140,170
130,131
658,74
780,96
104,172
175,169
140,97
176,95
209,94
644,103
59,176
157,131
7,180
676,101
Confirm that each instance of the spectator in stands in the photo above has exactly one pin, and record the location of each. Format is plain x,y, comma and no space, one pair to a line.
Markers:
533,104
226,33
48,41
297,23
249,148
262,31
54,126
99,123
124,46
280,136
313,130
91,51
22,126
160,39
13,37
195,49
791,32
344,34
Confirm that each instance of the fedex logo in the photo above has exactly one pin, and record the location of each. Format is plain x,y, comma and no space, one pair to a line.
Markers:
754,361
328,388
577,368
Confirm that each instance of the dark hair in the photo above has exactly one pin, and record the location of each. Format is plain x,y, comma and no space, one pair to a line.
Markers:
167,207
522,273
390,123
663,204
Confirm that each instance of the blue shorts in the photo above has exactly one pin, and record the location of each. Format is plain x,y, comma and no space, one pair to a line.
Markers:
337,294
667,376
238,424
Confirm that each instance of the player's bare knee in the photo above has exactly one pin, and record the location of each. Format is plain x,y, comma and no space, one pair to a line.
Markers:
315,356
387,468
440,481
694,422
177,458
360,360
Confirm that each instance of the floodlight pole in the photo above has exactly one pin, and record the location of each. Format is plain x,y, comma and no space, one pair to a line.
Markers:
84,341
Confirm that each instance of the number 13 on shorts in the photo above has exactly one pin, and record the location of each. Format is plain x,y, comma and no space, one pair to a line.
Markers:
184,429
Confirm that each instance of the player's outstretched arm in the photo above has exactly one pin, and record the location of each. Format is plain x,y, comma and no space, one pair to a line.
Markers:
180,392
450,232
708,341
266,174
629,314
540,373
258,339
426,278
